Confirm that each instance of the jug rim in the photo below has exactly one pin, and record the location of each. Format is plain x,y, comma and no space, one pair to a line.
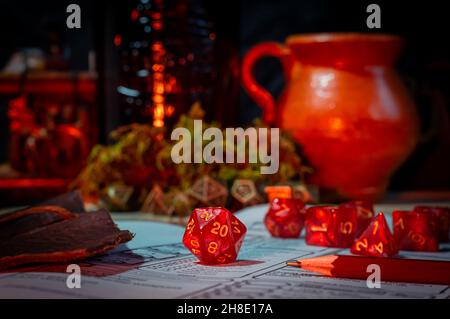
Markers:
327,37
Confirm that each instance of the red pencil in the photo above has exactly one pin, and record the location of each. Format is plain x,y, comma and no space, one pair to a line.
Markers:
391,269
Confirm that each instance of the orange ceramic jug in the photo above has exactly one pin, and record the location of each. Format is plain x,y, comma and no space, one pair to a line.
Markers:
344,104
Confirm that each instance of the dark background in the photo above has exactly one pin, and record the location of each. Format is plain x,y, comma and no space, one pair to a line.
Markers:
424,65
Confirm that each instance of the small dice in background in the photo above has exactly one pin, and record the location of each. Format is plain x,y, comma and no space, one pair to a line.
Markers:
364,213
376,240
330,226
214,235
442,214
285,217
415,230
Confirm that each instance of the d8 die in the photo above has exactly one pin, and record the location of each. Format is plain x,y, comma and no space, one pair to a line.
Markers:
214,235
364,213
442,215
415,231
330,226
285,217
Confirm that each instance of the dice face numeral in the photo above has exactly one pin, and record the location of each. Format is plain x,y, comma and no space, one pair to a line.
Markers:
379,247
293,228
346,227
218,229
361,243
375,227
212,247
236,230
195,251
205,216
284,209
195,243
417,238
190,226
400,223
363,212
222,259
321,228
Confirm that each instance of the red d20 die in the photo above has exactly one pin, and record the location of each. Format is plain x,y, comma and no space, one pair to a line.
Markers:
415,231
376,240
364,213
330,226
214,235
285,217
442,215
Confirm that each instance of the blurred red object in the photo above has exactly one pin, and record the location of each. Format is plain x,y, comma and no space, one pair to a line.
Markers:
344,104
51,129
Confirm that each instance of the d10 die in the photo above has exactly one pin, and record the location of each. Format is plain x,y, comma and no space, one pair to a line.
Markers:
415,231
376,240
330,226
214,235
364,213
442,214
285,217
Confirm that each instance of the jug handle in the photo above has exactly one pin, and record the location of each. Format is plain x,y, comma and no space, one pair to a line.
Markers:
261,96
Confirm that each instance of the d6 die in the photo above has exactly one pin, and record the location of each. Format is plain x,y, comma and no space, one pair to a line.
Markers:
330,226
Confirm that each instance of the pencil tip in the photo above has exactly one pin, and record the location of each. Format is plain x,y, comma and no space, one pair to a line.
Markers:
293,263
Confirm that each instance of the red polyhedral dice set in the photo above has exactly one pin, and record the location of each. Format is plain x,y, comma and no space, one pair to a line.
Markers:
337,226
214,235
